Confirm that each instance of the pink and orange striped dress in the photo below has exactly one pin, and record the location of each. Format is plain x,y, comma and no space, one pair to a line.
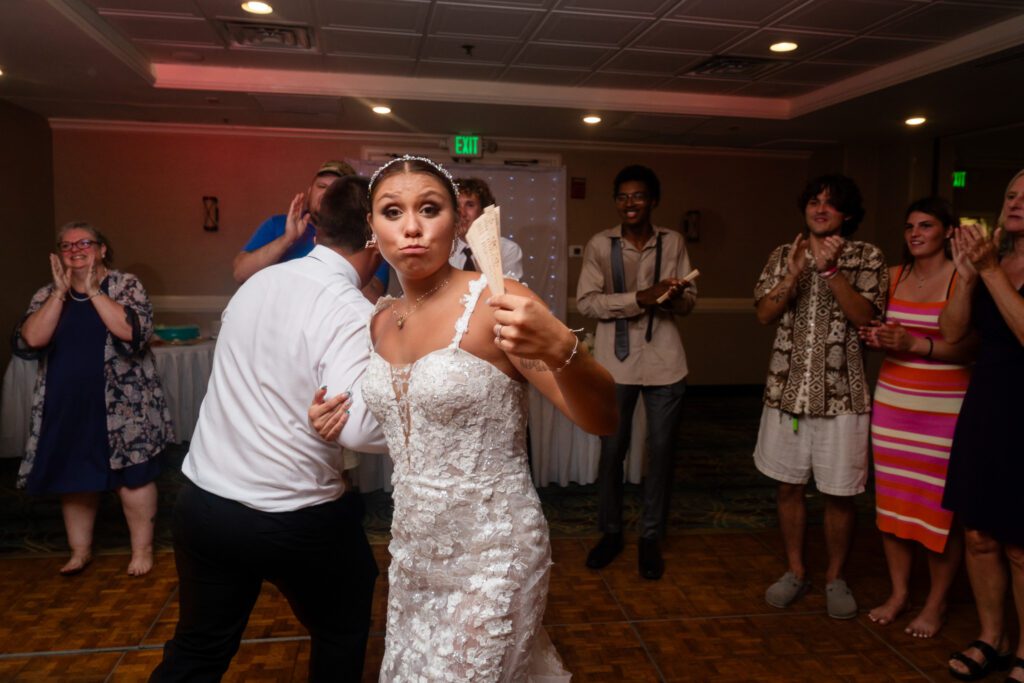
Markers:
916,404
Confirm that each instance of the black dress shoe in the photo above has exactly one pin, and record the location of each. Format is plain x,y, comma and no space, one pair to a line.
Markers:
605,551
651,564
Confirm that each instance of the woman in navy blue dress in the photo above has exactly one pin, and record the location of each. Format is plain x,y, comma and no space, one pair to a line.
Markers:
986,463
98,414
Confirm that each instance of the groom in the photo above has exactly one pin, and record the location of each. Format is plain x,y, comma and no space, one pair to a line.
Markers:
264,498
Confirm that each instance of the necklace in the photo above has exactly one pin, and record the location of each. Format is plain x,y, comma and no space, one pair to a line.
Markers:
400,317
71,293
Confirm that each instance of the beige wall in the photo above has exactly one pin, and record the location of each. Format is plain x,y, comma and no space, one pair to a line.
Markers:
26,213
145,188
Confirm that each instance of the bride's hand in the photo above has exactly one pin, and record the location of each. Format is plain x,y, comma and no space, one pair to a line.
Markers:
526,328
328,417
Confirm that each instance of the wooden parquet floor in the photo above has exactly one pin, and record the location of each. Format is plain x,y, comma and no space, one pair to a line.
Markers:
706,620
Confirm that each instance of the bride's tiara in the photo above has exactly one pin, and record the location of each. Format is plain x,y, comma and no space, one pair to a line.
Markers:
408,157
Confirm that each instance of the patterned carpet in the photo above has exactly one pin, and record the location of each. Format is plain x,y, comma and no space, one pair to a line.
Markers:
716,487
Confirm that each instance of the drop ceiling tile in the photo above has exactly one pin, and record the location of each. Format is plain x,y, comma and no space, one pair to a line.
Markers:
875,50
539,54
646,61
690,37
750,11
529,4
335,41
561,77
492,22
705,86
938,22
592,30
369,65
814,73
483,50
168,30
850,16
646,8
606,79
389,15
156,6
809,44
477,72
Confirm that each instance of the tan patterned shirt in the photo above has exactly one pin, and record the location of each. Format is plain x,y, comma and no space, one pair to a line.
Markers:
817,361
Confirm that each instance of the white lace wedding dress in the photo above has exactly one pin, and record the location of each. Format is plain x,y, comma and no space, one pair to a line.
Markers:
470,555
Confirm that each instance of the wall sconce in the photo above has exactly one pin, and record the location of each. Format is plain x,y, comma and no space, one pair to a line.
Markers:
211,214
691,226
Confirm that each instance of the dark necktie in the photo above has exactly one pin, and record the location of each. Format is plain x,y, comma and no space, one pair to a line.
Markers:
468,265
619,285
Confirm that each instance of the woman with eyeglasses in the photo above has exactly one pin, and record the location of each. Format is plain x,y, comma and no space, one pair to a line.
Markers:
98,414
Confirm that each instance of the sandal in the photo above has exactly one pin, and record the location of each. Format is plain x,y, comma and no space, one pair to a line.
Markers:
978,670
1018,664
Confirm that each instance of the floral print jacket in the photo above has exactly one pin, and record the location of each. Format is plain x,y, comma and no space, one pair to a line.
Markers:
817,363
138,421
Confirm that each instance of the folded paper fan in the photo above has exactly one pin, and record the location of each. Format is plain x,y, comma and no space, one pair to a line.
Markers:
484,238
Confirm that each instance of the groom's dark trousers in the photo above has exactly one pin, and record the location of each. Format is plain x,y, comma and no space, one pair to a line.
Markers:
317,556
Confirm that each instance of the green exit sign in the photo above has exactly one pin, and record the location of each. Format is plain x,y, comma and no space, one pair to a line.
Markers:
959,178
466,146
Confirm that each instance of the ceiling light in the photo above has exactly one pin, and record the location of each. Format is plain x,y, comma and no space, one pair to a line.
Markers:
381,109
784,46
257,7
915,120
592,120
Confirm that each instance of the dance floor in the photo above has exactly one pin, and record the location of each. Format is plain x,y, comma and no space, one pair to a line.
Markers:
706,619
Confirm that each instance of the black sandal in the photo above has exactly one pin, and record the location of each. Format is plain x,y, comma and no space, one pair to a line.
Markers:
1018,664
975,670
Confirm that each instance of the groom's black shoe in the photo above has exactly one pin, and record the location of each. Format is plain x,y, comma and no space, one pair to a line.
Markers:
605,551
651,564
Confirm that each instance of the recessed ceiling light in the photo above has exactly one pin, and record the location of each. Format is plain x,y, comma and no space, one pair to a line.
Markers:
915,120
784,46
1,72
592,120
381,109
257,7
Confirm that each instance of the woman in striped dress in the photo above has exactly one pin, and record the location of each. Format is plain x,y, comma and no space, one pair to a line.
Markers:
920,388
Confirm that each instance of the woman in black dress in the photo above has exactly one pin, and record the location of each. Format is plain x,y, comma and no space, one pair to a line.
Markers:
986,465
98,414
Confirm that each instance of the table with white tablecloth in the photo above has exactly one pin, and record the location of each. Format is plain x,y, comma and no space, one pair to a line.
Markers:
184,371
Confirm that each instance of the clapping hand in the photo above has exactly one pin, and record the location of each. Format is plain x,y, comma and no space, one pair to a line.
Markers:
796,261
328,417
888,336
974,251
92,277
826,252
61,281
298,216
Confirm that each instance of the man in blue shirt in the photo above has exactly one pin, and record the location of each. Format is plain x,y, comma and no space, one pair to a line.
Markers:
290,236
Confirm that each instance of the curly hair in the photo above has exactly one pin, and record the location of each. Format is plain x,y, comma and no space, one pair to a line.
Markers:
843,194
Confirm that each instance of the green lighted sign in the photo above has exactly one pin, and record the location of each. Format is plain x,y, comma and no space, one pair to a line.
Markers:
466,146
959,178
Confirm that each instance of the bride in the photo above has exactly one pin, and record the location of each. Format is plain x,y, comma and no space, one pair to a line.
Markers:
470,555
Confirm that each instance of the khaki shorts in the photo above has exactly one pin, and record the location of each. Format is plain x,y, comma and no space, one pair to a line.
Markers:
833,449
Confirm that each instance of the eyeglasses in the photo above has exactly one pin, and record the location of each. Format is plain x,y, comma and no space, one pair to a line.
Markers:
635,196
81,245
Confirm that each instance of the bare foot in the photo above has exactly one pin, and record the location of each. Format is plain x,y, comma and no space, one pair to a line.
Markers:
927,623
141,563
76,564
887,612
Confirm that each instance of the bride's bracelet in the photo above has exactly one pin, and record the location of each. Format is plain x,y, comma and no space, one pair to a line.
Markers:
541,366
572,354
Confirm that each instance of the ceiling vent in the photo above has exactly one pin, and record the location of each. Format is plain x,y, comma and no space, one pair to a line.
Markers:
723,65
254,36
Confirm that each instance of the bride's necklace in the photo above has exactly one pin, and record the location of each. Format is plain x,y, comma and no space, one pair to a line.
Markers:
400,317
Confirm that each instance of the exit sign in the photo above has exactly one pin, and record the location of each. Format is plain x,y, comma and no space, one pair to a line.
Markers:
466,146
959,178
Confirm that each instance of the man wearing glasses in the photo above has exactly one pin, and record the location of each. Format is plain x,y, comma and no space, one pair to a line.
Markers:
632,284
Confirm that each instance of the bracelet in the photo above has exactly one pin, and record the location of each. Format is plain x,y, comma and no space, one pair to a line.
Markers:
53,295
572,354
931,347
828,274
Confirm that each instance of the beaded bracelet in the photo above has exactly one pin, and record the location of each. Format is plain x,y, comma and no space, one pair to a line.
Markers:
828,274
575,348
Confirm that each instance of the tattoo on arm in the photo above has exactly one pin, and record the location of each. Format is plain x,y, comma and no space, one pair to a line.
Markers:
533,364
